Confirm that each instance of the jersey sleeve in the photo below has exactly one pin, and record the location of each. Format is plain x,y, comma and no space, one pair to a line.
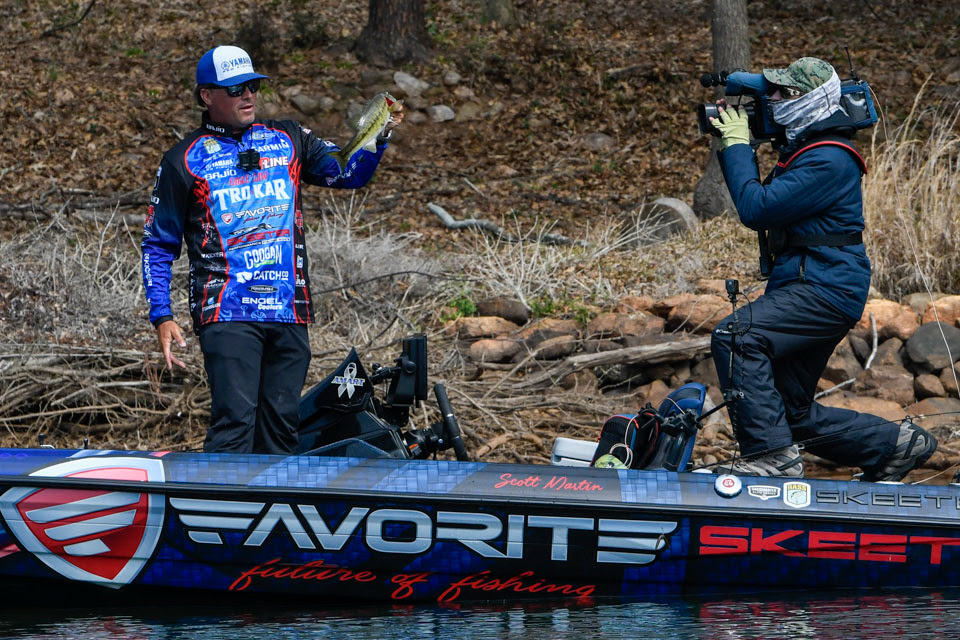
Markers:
319,167
163,238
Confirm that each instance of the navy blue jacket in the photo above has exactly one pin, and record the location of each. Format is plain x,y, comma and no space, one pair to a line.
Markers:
243,230
818,193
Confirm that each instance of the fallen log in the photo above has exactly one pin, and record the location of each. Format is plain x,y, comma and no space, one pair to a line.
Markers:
643,354
495,229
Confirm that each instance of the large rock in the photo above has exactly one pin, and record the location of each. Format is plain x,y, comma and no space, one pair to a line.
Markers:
415,117
415,102
681,375
887,382
268,110
370,77
927,385
654,392
860,347
659,220
440,113
546,328
893,320
480,327
946,309
716,286
662,371
842,365
556,348
494,350
886,409
468,111
507,308
919,301
629,304
584,381
309,105
600,142
948,381
616,375
927,348
410,85
699,313
938,412
618,325
451,78
464,93
705,372
890,352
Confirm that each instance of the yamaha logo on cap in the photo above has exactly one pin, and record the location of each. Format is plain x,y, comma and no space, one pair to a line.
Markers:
232,67
226,65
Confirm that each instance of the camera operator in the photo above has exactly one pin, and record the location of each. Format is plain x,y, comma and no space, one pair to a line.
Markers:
811,206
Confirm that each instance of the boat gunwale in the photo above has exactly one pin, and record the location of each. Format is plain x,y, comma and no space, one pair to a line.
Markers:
169,488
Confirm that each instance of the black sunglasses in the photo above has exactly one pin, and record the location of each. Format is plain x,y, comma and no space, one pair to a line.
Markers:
235,91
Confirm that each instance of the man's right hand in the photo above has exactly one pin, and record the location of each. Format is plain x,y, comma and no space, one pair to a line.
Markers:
167,333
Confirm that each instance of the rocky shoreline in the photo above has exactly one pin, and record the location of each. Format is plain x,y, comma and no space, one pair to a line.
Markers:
895,362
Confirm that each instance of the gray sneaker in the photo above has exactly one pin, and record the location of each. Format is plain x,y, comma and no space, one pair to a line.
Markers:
914,447
782,462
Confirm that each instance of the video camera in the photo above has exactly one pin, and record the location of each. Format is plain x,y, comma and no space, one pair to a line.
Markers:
855,99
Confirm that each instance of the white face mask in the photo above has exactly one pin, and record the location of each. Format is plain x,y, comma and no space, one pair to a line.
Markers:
797,115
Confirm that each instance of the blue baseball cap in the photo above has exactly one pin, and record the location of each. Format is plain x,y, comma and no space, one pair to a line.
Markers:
225,66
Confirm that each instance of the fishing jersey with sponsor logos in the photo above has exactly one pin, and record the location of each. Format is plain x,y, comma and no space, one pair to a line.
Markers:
243,229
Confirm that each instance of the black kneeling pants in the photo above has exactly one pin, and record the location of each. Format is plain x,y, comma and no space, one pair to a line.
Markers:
256,372
790,334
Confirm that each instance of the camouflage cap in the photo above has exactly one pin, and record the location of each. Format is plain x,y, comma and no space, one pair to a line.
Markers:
805,74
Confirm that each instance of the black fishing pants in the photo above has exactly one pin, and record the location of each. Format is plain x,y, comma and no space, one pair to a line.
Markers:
790,334
256,372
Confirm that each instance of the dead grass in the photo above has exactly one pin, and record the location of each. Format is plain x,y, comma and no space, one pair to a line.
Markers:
912,204
79,357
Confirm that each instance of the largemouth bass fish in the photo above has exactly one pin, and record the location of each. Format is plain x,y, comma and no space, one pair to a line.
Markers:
370,124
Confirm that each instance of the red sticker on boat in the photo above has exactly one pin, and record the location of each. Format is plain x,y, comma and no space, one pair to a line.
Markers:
98,536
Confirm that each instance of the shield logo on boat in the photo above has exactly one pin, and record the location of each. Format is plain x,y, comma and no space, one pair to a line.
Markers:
796,494
91,535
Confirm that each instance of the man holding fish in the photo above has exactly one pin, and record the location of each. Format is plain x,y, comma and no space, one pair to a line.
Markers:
230,191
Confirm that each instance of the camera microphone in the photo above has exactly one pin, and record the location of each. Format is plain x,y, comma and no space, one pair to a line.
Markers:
713,79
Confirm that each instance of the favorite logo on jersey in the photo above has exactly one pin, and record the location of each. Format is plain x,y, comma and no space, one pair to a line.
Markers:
211,145
94,535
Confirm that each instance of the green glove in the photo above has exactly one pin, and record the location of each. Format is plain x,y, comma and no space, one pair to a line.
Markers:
734,127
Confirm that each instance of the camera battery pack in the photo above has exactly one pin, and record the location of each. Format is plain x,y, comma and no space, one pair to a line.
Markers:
856,101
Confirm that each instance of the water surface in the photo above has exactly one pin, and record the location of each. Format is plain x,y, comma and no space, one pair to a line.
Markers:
901,614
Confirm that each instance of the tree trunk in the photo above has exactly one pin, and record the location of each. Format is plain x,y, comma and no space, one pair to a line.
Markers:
396,33
731,50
